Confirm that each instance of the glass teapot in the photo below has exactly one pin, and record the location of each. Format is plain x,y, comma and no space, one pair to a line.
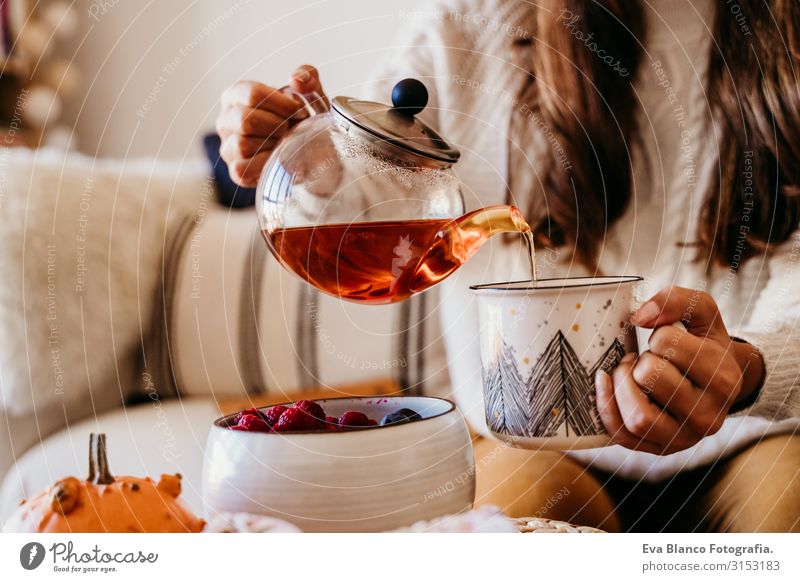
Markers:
360,200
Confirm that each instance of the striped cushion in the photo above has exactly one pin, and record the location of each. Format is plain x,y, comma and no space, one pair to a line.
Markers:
232,322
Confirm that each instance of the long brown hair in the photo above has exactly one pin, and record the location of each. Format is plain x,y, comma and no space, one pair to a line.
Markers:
753,90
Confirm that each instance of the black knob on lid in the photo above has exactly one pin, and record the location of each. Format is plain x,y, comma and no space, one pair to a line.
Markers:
409,97
396,125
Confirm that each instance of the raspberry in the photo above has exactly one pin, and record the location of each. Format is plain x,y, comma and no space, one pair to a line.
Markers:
353,418
237,427
331,423
246,412
296,419
254,423
311,408
273,414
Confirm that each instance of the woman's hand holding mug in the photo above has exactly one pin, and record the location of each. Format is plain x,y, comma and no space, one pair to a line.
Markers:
255,117
680,390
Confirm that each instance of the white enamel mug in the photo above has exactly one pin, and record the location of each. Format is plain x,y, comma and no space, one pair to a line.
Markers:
540,348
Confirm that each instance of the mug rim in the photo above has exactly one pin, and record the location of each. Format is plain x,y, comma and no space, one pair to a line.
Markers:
598,281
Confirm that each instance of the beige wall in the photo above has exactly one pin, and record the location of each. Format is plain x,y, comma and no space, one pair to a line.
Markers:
153,70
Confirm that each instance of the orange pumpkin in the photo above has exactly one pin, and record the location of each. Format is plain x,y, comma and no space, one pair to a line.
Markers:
103,503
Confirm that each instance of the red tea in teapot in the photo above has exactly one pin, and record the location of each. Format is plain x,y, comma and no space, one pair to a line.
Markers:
388,261
369,262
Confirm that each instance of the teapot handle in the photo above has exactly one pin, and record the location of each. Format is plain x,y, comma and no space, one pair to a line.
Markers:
313,103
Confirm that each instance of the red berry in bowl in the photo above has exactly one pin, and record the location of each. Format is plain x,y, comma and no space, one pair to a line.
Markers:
331,422
311,408
296,419
238,427
247,412
253,423
273,414
354,418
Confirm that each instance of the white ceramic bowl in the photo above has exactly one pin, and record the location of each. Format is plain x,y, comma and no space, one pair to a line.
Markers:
368,479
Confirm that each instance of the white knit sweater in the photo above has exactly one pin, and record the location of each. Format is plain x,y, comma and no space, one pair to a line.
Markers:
464,52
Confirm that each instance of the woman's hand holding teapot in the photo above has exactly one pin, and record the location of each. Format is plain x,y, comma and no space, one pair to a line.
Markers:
255,117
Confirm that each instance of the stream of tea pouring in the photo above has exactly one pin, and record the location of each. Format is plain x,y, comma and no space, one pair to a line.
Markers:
487,222
388,261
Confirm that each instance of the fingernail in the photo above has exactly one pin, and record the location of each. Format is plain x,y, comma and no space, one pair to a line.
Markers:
303,76
646,313
601,380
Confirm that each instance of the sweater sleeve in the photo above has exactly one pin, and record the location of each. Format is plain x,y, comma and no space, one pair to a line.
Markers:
774,329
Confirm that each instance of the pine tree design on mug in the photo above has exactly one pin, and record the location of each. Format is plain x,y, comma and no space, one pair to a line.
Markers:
558,391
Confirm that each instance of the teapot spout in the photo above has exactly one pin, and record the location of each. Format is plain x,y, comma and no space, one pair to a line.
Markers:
480,225
477,227
461,238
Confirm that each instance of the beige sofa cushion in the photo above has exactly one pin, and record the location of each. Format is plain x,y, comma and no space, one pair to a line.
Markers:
80,251
237,324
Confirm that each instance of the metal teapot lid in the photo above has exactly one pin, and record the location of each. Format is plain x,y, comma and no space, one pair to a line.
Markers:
399,125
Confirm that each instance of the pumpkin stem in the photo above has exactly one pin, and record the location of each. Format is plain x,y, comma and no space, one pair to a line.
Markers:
92,471
99,459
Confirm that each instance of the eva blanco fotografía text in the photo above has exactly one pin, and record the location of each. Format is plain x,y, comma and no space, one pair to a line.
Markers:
706,549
